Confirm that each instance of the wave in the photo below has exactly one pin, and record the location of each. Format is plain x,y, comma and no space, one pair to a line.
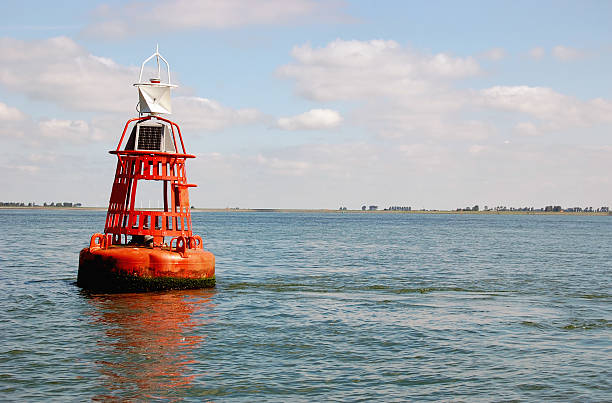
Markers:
318,288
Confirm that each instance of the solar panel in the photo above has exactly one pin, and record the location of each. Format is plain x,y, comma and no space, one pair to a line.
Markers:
150,137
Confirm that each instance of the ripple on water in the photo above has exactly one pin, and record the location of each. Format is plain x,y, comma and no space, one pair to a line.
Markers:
312,307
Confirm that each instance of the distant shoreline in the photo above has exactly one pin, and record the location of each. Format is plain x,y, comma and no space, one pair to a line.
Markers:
240,210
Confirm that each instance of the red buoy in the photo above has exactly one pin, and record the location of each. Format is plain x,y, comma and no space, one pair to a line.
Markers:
144,250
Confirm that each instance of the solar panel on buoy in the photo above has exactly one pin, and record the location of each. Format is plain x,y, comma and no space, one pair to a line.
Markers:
150,138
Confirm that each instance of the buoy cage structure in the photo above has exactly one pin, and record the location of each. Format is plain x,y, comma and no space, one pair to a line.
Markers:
148,250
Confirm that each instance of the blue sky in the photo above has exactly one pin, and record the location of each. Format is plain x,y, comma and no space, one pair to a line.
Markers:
309,104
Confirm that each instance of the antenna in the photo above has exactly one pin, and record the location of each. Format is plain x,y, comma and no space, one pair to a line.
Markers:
158,66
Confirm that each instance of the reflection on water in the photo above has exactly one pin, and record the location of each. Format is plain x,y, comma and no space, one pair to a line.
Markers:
148,342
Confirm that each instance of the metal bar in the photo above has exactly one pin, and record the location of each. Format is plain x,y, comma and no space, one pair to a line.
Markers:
180,137
177,127
149,152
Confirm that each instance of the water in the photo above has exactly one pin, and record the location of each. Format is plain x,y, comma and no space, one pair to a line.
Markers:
349,307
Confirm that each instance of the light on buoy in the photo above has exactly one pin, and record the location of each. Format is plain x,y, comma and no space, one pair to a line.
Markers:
143,250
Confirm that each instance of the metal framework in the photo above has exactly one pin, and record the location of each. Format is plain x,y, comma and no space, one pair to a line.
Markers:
123,218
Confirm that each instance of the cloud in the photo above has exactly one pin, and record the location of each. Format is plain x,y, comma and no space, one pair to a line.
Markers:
64,129
8,113
283,166
476,149
350,70
176,15
527,129
404,95
565,53
495,54
30,169
537,53
554,109
402,91
336,161
59,70
50,133
197,113
441,125
423,174
314,119
14,124
43,157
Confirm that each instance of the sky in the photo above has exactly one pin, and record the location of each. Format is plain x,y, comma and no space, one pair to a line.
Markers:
317,104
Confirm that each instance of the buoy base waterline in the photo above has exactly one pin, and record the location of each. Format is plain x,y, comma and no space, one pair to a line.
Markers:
119,269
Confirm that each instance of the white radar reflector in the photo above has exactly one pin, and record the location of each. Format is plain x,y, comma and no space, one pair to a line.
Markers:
154,95
154,99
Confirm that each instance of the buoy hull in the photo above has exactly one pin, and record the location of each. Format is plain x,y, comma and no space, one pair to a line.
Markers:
136,269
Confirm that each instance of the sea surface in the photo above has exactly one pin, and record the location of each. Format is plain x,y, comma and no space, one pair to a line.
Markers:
319,307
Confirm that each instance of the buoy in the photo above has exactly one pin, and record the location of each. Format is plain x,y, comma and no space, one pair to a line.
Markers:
148,250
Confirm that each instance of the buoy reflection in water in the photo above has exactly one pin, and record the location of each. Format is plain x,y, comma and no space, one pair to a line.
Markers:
148,341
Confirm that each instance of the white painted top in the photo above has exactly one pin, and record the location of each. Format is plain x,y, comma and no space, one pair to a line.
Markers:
154,95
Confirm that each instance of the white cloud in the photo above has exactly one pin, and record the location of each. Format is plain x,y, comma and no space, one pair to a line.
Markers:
64,129
44,157
441,124
403,91
409,94
314,119
350,70
197,113
554,109
495,54
61,71
565,53
537,53
283,166
335,161
476,149
527,129
426,174
404,95
160,16
9,113
30,169
425,157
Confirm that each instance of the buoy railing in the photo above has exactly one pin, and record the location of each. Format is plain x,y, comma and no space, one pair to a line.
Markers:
164,223
177,244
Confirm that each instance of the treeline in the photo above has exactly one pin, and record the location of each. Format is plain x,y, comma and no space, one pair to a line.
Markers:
52,204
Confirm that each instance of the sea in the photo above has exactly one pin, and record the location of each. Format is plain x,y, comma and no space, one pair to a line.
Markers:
319,307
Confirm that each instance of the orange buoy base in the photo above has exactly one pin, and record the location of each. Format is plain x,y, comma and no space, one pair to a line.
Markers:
127,268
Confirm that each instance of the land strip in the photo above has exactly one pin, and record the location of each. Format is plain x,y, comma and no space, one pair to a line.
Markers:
262,210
